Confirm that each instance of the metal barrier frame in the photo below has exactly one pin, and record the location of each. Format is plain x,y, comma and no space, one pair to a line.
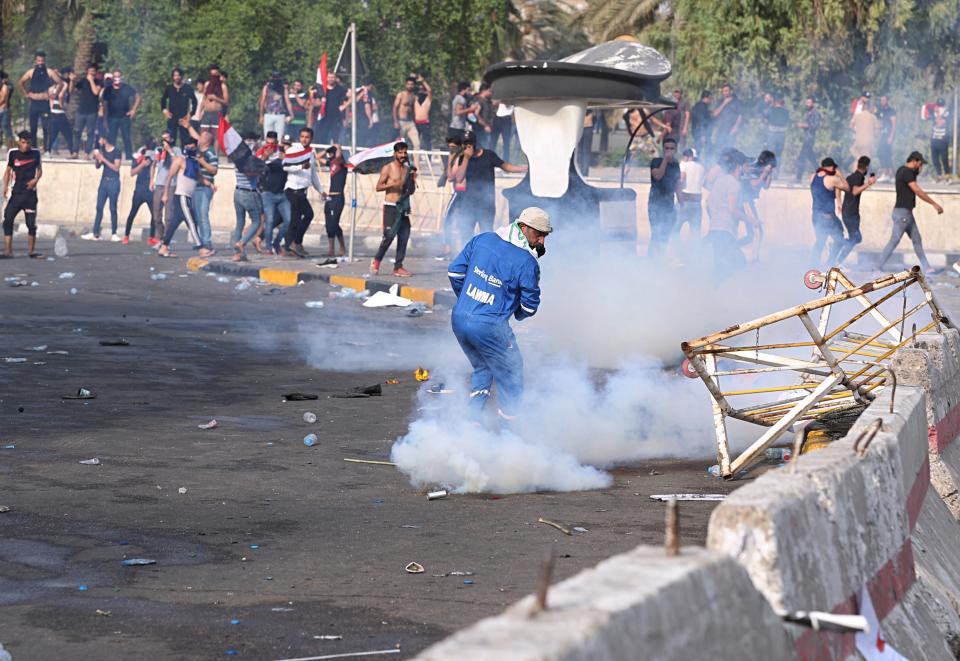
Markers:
845,370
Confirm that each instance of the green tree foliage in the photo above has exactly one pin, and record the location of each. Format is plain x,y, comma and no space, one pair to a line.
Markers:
833,49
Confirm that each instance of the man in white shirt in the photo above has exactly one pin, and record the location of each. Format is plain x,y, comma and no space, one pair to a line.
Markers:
300,164
691,193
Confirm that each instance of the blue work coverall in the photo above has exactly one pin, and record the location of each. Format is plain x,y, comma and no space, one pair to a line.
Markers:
493,280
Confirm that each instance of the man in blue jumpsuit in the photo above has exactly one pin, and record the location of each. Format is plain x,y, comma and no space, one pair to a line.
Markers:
496,276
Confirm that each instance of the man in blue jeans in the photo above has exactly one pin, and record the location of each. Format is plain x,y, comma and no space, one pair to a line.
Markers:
274,200
107,156
203,195
496,277
120,103
246,202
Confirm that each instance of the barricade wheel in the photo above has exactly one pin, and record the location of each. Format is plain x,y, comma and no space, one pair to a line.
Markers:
813,279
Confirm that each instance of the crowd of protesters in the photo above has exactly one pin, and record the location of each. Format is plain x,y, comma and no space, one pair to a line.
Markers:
176,176
684,141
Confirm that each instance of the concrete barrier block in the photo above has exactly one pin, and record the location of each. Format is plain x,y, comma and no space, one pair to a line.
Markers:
640,604
936,552
811,540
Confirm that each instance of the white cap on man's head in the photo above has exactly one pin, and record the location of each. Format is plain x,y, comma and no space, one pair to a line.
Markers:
536,218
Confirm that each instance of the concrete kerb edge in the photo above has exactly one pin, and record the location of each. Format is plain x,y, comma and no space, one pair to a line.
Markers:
287,278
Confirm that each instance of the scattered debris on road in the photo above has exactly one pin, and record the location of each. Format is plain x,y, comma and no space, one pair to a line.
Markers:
310,440
688,496
414,568
360,391
369,461
90,462
208,425
82,393
299,397
119,342
138,562
554,524
437,495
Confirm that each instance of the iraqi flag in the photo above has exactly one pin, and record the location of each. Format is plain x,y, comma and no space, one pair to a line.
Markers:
371,161
322,84
236,149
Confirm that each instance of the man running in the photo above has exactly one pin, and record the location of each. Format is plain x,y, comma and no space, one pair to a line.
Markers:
850,212
246,202
496,277
824,187
23,165
333,207
908,190
398,179
403,113
271,184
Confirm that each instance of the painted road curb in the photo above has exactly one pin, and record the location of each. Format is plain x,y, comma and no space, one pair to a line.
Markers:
290,278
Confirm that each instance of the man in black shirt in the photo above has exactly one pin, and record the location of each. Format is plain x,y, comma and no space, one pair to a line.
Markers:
333,206
23,165
809,125
88,91
120,102
727,117
41,78
107,156
178,101
661,205
777,120
850,213
908,190
143,189
478,199
327,129
701,122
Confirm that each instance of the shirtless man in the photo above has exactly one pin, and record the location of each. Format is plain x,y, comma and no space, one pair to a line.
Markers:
398,179
403,113
40,77
421,113
216,98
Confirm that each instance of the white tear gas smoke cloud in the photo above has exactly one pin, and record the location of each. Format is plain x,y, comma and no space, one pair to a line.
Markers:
601,308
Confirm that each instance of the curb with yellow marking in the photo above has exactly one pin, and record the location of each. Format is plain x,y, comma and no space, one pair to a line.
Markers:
418,294
357,284
280,277
197,263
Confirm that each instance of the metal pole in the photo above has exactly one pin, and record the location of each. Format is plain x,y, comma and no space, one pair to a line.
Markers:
956,107
353,134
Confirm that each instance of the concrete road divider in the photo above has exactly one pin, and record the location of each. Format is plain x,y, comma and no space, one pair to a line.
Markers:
812,539
934,365
637,605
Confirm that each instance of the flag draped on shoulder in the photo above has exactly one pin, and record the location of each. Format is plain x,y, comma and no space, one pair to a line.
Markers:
297,155
370,161
236,149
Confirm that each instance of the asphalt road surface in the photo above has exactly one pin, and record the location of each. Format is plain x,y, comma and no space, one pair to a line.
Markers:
262,545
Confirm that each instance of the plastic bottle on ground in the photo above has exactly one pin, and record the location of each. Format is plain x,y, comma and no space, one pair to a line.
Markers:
309,417
60,250
4,654
778,454
314,304
310,440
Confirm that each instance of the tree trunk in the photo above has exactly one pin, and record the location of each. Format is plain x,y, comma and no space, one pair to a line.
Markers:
85,35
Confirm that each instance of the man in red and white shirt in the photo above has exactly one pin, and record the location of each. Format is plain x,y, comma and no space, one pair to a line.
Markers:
300,164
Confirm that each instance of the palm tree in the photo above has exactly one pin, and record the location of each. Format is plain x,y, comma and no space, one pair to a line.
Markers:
605,19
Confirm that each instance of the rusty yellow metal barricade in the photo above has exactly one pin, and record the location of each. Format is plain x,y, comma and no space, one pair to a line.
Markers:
840,366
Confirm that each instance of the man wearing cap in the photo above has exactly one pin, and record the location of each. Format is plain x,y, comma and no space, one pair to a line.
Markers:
824,186
496,276
908,190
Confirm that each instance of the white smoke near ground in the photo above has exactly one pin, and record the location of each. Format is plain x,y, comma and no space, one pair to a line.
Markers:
601,308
